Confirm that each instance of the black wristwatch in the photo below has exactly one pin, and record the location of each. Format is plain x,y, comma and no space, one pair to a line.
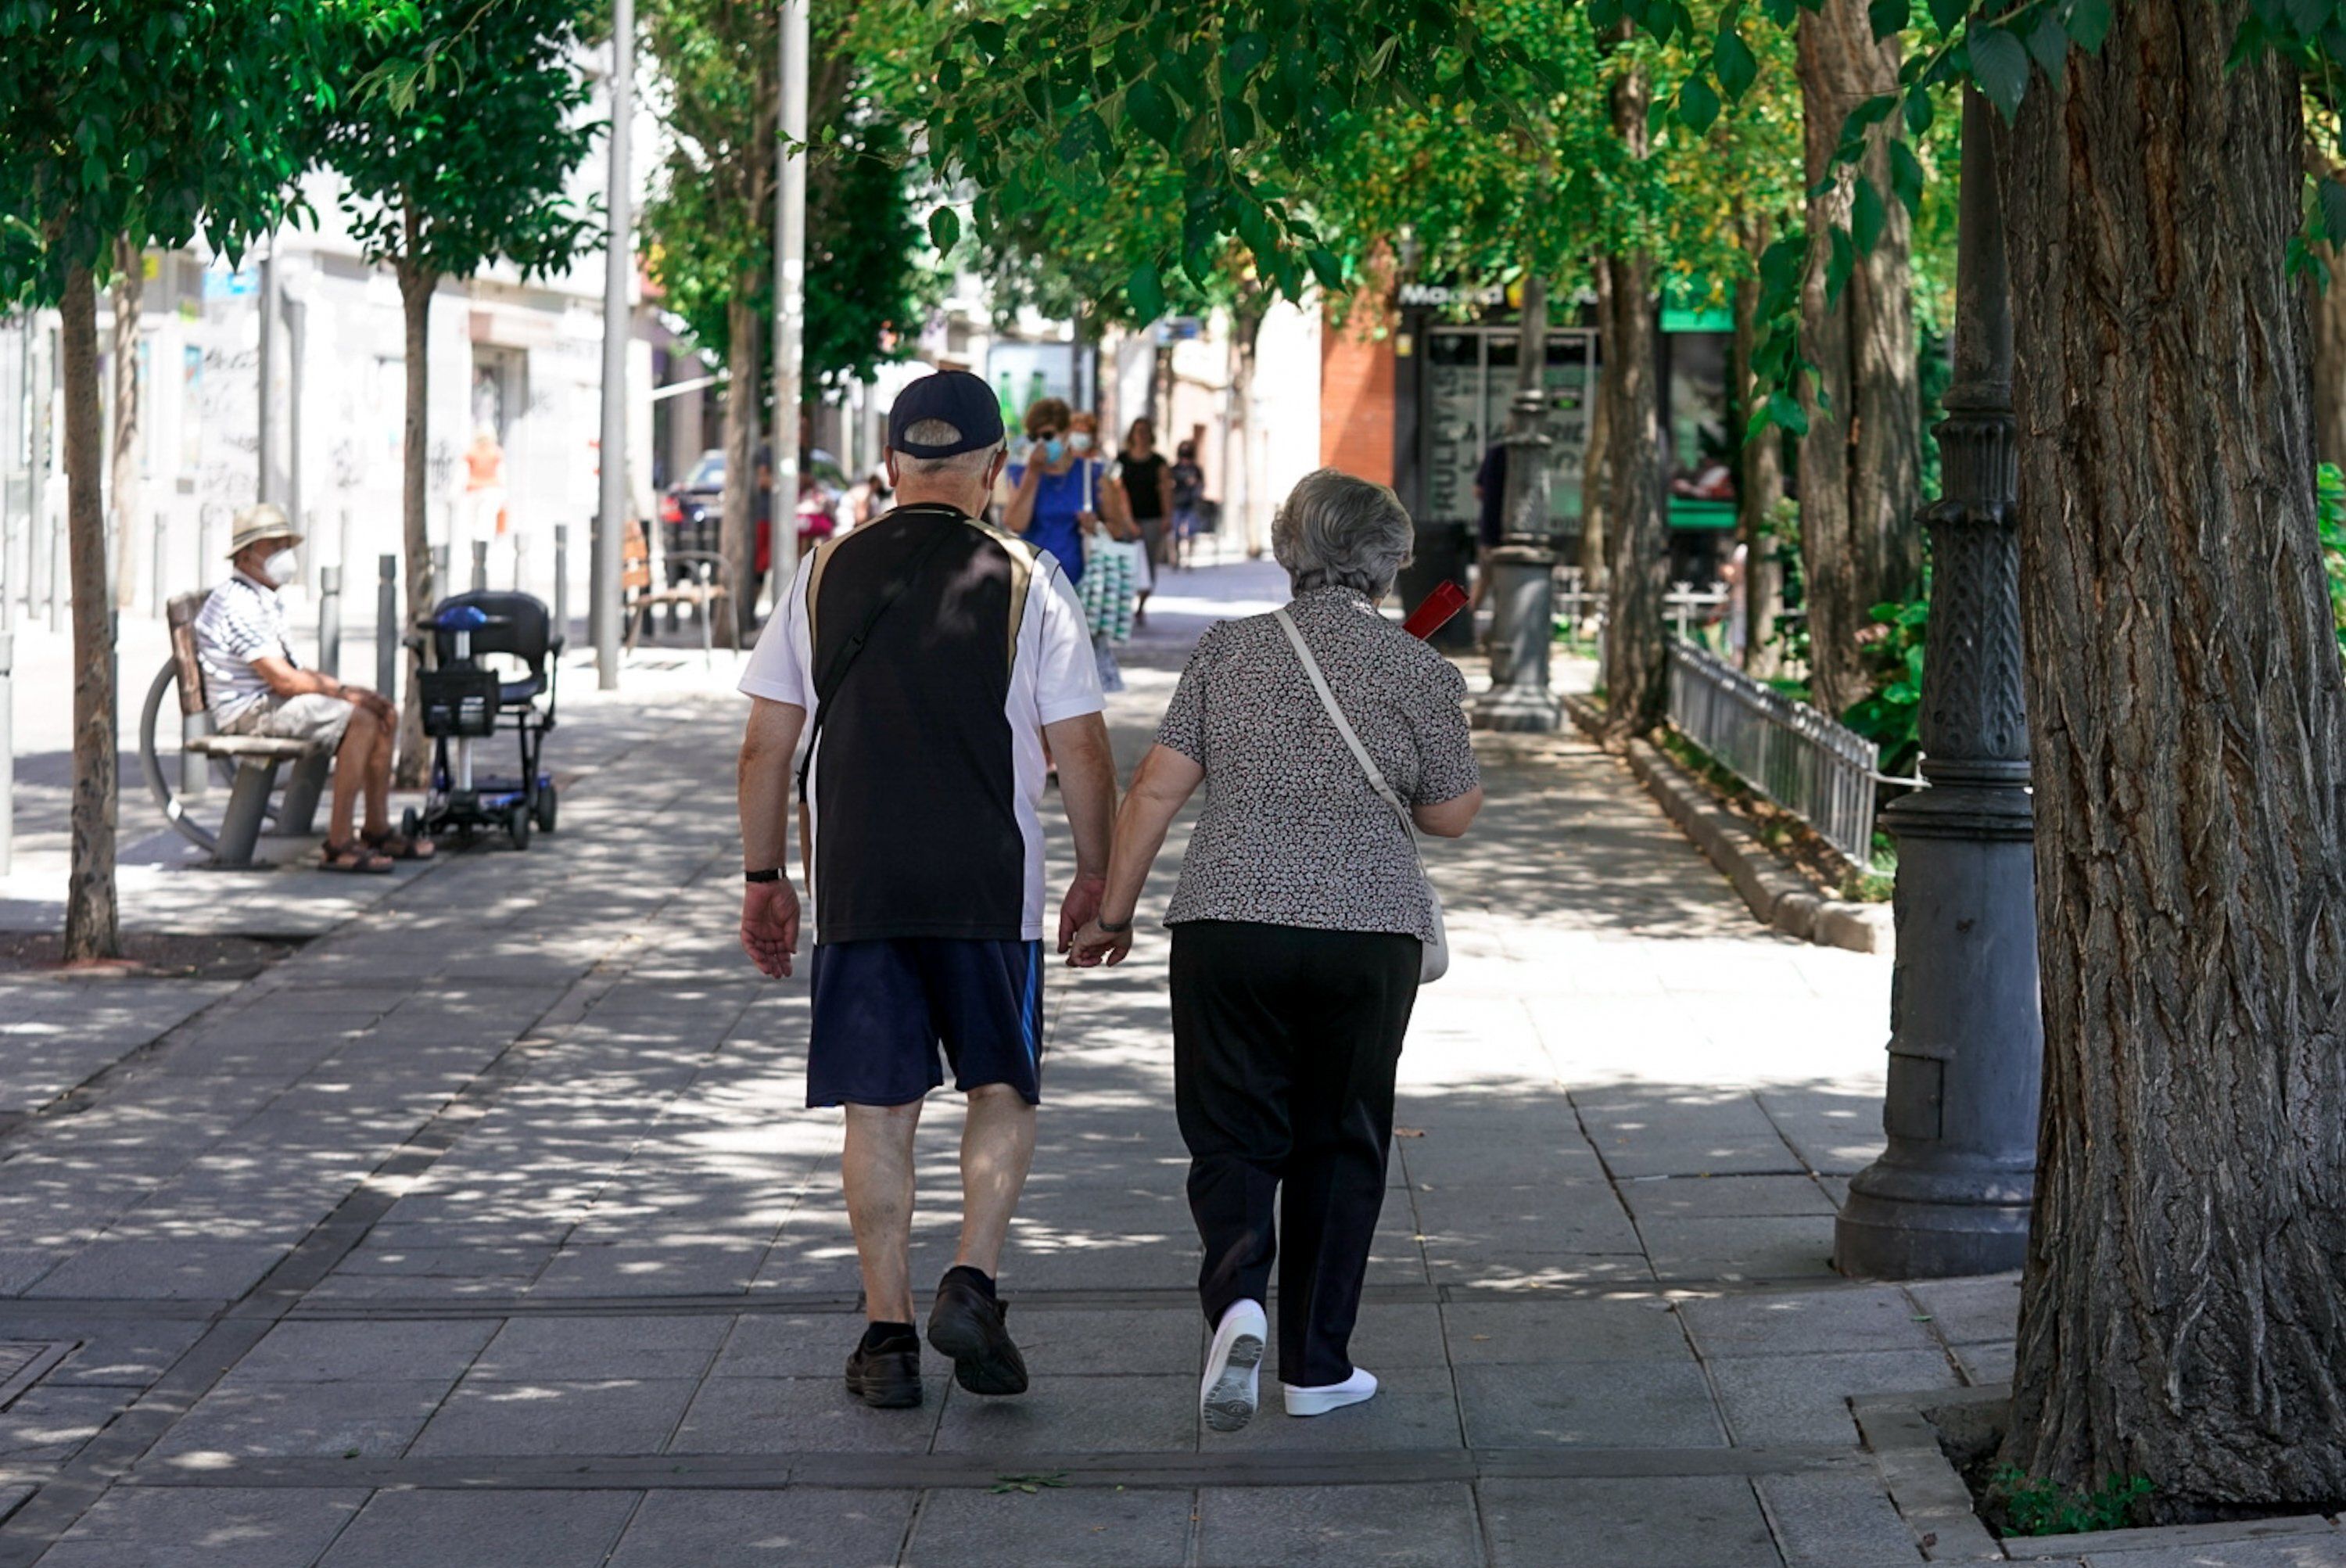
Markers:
1117,929
771,874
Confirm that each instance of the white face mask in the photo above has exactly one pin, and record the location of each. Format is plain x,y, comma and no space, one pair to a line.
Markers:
280,567
1081,441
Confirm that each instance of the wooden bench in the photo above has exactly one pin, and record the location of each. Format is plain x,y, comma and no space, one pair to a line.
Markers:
708,582
255,759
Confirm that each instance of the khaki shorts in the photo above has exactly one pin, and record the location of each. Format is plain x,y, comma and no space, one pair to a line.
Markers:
312,717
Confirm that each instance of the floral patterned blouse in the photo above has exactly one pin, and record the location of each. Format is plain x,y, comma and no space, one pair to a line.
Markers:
1293,833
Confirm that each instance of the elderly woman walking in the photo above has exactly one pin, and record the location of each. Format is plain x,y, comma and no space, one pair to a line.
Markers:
1301,925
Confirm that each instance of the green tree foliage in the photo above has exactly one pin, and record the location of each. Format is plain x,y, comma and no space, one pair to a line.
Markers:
447,167
149,122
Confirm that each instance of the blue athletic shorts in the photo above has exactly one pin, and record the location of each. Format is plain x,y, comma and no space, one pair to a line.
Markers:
882,1008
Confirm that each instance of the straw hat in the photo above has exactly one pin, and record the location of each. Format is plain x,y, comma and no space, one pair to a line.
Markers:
254,523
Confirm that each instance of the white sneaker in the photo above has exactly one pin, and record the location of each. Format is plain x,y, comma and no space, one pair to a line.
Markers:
1361,1385
1227,1396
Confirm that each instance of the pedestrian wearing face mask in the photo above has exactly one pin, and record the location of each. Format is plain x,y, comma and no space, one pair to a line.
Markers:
254,685
1055,489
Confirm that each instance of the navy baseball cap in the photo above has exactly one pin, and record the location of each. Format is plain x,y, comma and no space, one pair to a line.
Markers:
957,397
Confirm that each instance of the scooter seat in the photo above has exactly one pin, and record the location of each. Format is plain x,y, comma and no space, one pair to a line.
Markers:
513,693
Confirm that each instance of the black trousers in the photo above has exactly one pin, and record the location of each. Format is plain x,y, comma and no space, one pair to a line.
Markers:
1285,1040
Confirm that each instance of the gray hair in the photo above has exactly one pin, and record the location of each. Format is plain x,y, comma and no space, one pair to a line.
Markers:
1338,530
941,433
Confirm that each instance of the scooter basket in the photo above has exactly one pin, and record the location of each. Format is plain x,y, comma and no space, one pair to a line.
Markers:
459,702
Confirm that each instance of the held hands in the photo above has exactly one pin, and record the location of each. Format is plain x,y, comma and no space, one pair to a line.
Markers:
1093,947
1080,907
770,925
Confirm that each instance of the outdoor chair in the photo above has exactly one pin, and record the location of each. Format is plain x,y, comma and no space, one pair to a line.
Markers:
251,761
703,581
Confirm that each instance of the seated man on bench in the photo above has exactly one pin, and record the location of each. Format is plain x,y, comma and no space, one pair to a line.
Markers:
253,687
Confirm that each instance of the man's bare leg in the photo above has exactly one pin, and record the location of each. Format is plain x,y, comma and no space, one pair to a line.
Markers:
877,1171
997,1147
377,782
353,759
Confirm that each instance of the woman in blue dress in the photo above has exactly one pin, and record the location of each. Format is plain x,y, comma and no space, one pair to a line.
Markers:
1054,488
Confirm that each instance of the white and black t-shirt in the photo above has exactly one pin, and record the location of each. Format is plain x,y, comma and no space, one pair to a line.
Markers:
928,772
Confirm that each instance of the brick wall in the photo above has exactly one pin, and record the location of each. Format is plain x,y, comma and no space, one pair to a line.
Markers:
1357,397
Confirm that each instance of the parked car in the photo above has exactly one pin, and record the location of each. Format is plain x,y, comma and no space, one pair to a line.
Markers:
691,512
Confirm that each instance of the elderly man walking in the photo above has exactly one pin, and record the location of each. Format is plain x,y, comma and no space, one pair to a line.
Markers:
927,659
254,685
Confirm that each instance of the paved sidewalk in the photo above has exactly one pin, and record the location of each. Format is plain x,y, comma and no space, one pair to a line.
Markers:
488,1230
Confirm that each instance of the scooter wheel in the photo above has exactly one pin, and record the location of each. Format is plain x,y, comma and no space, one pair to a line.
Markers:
410,826
517,825
546,809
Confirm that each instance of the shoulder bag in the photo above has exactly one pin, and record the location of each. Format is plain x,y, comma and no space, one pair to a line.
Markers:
1436,961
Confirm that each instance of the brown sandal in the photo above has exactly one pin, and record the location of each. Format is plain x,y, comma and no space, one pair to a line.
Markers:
354,859
400,847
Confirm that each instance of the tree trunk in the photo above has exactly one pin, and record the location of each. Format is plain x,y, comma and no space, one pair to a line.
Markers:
1636,665
92,929
1246,330
1597,468
2182,1315
1861,463
1761,485
130,286
2326,305
417,284
737,534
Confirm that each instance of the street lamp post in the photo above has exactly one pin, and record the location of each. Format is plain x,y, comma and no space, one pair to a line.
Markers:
1951,1193
1522,568
611,520
789,291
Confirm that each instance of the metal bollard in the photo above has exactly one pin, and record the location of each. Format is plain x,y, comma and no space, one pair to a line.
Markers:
521,564
480,565
386,626
57,596
562,581
160,565
7,751
330,620
431,594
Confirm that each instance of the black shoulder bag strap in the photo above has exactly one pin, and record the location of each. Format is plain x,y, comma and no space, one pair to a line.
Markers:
827,685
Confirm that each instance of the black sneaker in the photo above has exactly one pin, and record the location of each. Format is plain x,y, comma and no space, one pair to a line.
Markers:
887,1378
967,1326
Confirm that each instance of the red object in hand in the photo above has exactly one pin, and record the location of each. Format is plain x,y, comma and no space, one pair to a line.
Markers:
1434,611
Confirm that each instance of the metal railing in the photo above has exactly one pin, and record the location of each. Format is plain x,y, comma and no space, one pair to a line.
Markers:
1813,765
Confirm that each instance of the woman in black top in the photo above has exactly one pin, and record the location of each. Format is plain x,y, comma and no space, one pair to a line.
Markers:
1147,481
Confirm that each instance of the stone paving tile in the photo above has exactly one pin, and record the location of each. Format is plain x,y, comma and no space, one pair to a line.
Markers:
1052,1528
1498,1272
1527,1329
1797,1323
1414,1408
1985,1363
1724,1197
1831,1520
1107,1415
1970,1311
547,1416
1081,1340
788,1415
657,1346
48,1425
1805,1399
1404,1526
1754,1247
629,1269
2309,1552
1594,1404
800,1528
206,1527
162,1270
319,1353
132,1354
376,1418
507,1529
1680,1522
